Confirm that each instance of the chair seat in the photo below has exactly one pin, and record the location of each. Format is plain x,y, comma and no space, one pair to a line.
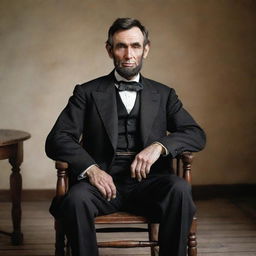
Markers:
120,217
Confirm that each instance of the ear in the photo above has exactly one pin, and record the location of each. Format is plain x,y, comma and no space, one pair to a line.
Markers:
109,50
146,50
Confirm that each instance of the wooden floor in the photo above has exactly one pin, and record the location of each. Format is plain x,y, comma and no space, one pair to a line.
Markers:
225,227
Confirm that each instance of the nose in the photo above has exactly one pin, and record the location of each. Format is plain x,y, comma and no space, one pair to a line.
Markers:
128,53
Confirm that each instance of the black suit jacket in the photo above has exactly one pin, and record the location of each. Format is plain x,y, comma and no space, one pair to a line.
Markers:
91,113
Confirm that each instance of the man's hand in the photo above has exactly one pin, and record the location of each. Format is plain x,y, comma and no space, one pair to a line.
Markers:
102,181
141,165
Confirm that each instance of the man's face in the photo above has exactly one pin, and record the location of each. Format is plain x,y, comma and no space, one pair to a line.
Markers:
128,51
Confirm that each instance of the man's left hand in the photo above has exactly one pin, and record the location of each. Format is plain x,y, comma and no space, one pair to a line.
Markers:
143,161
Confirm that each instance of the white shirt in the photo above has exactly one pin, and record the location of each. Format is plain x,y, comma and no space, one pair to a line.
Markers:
128,97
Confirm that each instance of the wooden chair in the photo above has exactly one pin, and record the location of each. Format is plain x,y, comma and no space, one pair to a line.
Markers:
62,247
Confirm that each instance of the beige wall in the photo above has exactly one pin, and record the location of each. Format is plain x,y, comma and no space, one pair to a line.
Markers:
205,49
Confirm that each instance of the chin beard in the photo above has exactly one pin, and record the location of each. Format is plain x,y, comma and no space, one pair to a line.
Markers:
128,72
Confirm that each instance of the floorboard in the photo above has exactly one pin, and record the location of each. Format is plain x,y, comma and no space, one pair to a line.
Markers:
226,226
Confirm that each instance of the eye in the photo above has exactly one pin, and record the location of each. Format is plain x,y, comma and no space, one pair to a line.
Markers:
120,46
136,45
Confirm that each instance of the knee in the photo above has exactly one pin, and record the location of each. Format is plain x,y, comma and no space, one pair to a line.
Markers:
182,187
77,198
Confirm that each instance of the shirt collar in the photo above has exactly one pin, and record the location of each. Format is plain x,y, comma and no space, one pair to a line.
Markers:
120,78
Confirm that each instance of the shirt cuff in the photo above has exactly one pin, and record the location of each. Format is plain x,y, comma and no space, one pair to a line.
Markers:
83,174
166,152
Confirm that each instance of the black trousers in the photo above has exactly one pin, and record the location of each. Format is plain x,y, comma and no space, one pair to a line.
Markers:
164,198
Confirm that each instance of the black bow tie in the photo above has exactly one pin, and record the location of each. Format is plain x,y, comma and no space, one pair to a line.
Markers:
129,86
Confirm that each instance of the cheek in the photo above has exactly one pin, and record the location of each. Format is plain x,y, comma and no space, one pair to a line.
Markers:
139,59
138,55
118,55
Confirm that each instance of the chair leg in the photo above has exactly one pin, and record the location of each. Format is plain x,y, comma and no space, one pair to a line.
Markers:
59,238
153,236
192,240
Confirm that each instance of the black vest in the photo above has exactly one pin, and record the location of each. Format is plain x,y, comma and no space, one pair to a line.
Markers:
129,138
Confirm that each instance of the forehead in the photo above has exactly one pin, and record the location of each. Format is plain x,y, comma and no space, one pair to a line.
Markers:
132,35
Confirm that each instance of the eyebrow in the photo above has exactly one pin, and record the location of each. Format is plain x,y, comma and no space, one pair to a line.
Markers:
135,44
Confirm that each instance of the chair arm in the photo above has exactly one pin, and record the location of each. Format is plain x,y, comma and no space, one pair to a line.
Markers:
62,178
62,172
187,158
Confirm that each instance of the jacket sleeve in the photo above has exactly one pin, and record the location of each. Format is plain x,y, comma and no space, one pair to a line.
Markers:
62,143
184,133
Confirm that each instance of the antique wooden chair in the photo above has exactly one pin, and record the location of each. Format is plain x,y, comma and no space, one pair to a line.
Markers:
62,246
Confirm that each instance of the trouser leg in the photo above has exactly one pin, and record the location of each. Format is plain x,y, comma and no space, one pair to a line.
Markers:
80,206
178,211
168,198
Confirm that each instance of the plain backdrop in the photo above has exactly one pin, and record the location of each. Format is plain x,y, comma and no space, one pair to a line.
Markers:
205,49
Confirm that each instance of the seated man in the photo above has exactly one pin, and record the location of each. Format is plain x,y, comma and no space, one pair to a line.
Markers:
122,162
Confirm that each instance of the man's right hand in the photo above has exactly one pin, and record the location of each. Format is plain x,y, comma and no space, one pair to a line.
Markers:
102,181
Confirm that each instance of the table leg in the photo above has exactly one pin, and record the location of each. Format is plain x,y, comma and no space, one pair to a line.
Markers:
16,188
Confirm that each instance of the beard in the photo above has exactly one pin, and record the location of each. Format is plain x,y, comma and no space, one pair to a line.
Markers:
128,72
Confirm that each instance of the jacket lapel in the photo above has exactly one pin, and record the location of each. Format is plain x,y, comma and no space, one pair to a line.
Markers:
105,100
150,100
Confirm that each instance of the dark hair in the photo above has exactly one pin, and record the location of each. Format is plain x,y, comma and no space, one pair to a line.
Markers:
125,24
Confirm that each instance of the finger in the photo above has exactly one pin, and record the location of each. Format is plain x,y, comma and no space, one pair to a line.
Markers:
113,189
138,170
143,170
111,186
147,169
137,173
108,192
105,184
133,165
102,190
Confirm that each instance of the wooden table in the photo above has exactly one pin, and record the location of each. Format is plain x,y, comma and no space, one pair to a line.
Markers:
11,147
